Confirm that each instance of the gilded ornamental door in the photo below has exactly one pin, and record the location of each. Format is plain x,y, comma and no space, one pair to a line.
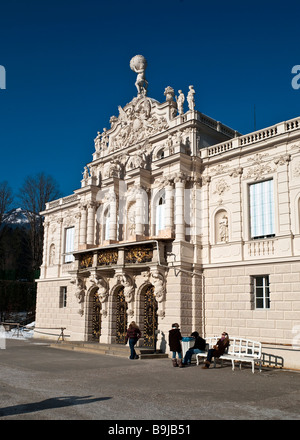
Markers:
121,317
150,317
96,317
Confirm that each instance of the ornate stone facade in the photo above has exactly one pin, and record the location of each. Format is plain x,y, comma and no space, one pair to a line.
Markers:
162,230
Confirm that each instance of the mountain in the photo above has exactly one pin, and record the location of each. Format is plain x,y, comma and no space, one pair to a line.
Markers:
16,218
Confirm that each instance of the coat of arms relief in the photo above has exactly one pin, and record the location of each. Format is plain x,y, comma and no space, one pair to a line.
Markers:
137,123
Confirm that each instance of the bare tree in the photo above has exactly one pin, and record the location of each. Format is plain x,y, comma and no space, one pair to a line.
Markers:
34,194
6,199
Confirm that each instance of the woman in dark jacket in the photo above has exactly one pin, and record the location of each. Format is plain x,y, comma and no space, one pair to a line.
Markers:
218,349
198,347
133,334
175,344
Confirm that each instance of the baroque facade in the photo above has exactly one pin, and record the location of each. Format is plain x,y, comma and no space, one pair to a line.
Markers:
179,218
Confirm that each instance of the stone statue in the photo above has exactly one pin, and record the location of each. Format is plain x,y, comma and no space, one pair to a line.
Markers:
80,294
85,173
180,100
97,141
104,140
158,283
128,288
191,98
223,229
170,144
103,290
138,64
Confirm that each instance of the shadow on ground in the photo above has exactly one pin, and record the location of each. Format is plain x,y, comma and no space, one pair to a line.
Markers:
54,402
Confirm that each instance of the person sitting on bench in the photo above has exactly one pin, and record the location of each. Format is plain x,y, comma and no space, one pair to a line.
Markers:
218,349
198,347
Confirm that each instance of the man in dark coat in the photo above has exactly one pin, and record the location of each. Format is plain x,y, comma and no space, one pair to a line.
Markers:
198,347
175,344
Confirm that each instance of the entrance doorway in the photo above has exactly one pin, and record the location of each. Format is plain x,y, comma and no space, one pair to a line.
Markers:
96,317
121,328
150,317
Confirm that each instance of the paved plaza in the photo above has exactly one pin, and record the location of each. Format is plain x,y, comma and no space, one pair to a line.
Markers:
39,382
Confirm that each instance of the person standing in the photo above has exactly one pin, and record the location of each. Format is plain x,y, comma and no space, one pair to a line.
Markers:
133,335
175,345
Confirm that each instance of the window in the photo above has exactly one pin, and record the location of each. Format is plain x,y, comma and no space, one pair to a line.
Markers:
69,245
63,297
262,210
261,292
160,215
161,154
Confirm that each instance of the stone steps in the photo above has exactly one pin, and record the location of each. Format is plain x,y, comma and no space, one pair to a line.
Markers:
109,349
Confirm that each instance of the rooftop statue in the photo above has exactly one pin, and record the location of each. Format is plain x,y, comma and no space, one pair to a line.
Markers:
180,100
139,64
191,98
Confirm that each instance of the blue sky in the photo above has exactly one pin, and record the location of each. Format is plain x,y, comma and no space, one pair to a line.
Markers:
67,70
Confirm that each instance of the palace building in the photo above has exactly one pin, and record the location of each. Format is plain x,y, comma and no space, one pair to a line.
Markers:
179,218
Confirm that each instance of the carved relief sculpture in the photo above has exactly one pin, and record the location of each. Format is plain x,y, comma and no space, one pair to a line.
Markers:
102,285
159,289
103,289
52,254
80,294
107,258
128,288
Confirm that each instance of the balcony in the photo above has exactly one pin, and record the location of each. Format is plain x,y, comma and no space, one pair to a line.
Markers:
129,255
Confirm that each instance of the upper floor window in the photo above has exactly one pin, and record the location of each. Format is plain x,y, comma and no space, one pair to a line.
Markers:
69,244
161,154
262,222
160,215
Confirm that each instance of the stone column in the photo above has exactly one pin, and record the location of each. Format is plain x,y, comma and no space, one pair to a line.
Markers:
284,207
204,219
139,212
61,246
179,213
90,224
169,208
82,233
113,218
45,250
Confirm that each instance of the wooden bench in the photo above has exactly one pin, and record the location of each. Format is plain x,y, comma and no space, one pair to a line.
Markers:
240,350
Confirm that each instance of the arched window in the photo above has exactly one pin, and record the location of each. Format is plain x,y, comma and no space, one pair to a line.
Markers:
161,154
160,215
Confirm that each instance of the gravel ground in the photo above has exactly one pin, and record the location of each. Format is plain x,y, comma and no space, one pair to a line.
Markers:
38,382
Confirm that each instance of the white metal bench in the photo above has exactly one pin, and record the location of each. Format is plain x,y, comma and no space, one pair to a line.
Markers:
240,350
